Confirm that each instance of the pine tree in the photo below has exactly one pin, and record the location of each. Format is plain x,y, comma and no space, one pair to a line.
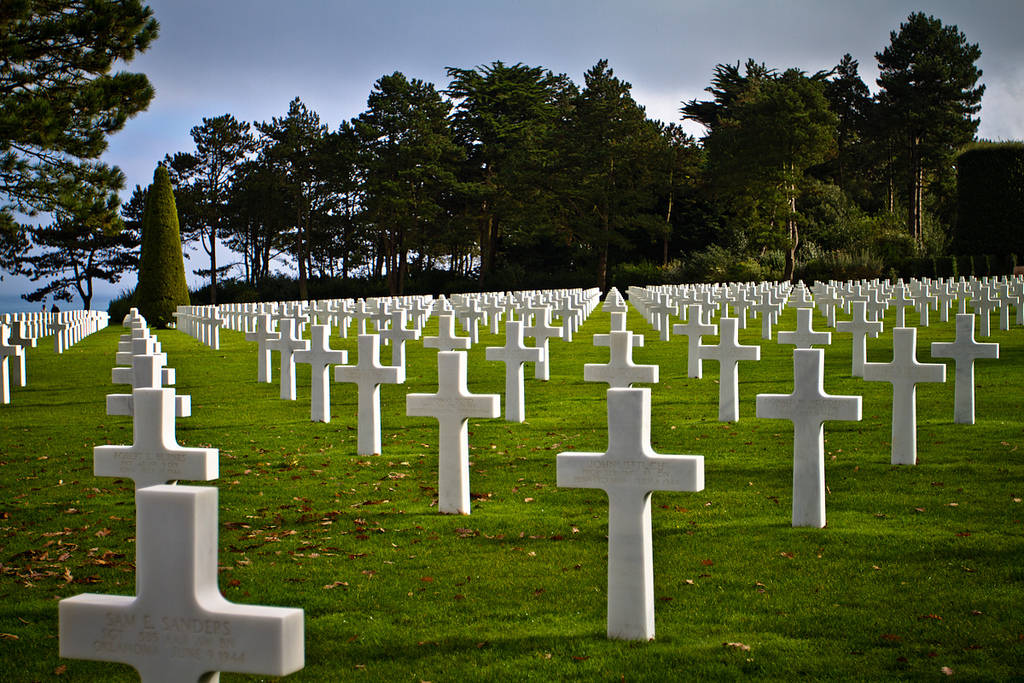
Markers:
162,287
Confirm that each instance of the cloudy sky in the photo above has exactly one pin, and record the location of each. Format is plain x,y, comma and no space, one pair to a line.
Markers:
250,58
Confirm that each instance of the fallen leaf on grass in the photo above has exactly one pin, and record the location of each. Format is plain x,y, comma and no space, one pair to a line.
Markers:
707,563
60,669
336,584
891,637
930,616
787,555
580,659
946,671
8,636
737,646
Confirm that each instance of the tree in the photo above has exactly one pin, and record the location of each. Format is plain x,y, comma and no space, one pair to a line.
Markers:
505,117
162,286
761,144
59,102
929,94
76,250
408,161
258,215
297,147
611,144
221,144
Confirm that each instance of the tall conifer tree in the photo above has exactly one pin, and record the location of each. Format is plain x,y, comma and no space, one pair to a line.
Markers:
162,287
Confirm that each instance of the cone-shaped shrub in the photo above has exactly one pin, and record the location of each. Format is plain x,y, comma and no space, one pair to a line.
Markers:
162,287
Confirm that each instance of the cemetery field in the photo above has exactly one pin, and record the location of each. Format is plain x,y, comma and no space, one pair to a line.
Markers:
919,572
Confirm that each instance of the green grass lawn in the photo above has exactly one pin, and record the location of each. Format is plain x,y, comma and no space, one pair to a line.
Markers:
920,568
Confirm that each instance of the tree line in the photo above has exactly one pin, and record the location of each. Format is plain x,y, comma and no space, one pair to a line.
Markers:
514,176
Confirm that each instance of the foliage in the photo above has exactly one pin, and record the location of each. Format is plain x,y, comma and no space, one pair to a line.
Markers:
162,286
929,93
59,102
841,265
990,188
767,129
204,179
407,157
75,251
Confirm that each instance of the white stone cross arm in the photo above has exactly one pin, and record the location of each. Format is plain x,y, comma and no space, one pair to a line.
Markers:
804,336
514,354
728,352
904,372
154,456
452,406
368,374
807,407
146,372
265,337
694,328
964,350
620,371
629,471
446,340
179,627
320,357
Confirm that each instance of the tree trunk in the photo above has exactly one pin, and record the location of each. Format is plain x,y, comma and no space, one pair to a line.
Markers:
668,225
794,236
300,256
602,256
213,265
915,189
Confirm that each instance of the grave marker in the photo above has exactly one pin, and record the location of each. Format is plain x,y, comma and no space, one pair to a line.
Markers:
629,471
904,372
620,371
154,456
514,354
452,406
320,357
807,407
694,328
179,627
728,352
964,350
368,374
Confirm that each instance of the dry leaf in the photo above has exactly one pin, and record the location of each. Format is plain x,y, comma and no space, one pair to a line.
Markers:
737,646
946,671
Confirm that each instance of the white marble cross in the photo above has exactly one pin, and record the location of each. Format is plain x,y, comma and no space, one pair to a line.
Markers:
452,406
694,328
514,354
265,338
617,323
804,336
288,343
807,407
904,372
620,371
446,340
320,357
179,627
861,328
629,471
964,350
397,335
542,330
147,372
900,300
983,304
769,312
368,375
154,456
728,352
12,364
